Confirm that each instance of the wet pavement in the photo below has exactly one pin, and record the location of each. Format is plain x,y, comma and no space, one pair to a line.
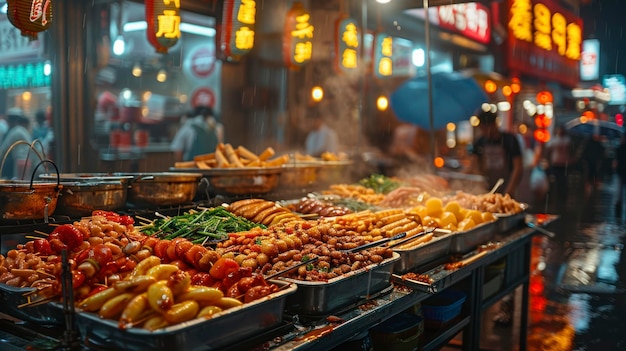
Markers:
578,280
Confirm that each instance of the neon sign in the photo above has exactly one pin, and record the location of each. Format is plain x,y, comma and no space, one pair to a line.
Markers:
163,18
346,45
238,29
297,36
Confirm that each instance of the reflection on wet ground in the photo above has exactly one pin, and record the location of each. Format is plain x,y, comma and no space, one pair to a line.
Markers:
578,285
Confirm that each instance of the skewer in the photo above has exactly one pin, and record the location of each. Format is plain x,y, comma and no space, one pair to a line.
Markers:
465,262
36,302
41,233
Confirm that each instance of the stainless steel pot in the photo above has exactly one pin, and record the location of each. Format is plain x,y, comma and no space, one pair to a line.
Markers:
82,198
162,189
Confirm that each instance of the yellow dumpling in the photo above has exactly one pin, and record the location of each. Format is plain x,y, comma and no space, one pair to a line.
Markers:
475,215
466,224
488,217
434,206
447,218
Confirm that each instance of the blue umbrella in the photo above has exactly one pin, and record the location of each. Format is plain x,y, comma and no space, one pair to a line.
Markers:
456,97
588,128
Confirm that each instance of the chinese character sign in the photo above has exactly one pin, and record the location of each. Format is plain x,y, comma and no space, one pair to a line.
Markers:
346,45
297,36
544,40
383,61
236,32
539,23
470,19
30,16
163,18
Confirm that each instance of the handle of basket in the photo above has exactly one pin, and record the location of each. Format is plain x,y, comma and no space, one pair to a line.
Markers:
32,177
19,142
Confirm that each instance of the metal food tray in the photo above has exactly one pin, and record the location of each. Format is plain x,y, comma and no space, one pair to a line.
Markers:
508,222
465,241
317,298
11,297
415,257
238,181
222,329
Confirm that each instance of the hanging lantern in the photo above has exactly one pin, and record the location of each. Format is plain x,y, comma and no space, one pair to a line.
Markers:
297,36
30,16
237,28
163,18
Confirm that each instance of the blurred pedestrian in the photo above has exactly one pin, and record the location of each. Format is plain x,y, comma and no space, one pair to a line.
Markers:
620,169
592,157
321,137
18,131
497,155
560,158
199,134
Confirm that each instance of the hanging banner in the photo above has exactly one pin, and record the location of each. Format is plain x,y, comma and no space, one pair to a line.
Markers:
346,45
544,40
163,19
30,16
297,37
383,55
237,30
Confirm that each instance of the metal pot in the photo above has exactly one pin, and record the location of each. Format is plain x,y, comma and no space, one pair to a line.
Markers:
82,198
162,189
23,200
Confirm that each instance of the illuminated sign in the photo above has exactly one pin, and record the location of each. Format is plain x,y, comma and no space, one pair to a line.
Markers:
469,19
163,18
383,60
297,36
590,60
616,84
544,40
346,45
238,28
30,75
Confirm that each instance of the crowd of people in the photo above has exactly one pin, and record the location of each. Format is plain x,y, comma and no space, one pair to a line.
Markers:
18,141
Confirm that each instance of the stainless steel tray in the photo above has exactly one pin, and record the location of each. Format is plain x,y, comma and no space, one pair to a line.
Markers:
463,242
508,222
239,181
414,258
223,329
44,314
316,298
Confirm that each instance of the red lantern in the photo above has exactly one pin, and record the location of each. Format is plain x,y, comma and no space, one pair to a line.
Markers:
237,29
297,36
30,16
163,18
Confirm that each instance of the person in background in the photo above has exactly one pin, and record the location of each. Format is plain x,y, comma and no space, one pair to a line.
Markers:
199,134
4,127
560,158
18,130
321,137
619,164
497,155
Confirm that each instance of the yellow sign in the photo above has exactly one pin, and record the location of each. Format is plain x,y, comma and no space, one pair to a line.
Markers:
547,29
168,24
383,55
347,44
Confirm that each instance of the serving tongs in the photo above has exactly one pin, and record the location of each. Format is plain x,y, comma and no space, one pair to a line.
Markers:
348,251
427,230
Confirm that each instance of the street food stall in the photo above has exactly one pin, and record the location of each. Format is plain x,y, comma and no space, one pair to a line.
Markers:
175,267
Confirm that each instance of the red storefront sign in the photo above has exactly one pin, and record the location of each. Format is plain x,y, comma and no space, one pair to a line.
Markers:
346,45
297,36
203,96
163,19
469,19
237,30
544,40
30,16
